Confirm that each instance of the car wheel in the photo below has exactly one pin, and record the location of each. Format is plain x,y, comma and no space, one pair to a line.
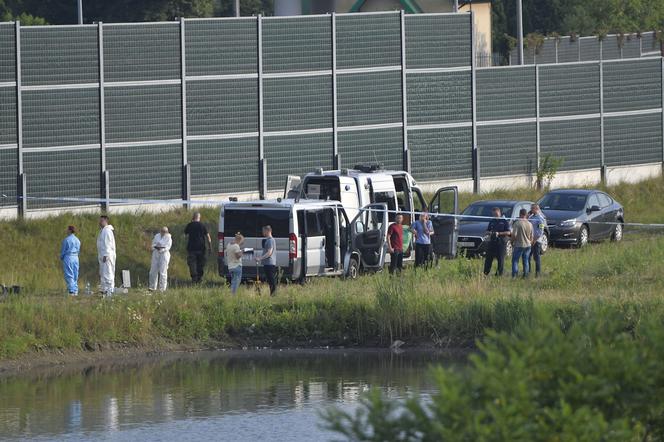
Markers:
508,248
582,238
544,245
353,269
617,234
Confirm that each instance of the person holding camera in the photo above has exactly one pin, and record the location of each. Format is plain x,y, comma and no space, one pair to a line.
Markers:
499,232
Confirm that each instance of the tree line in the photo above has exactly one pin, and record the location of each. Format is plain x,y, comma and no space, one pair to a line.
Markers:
575,18
540,17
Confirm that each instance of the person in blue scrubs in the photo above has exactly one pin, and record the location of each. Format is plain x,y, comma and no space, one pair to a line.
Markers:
71,247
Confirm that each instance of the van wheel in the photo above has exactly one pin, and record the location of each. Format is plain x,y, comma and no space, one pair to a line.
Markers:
353,269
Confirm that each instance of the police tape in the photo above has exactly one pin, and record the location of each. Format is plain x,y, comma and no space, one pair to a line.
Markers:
319,204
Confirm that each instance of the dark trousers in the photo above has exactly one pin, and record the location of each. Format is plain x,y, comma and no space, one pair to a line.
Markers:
536,254
196,261
497,250
422,254
396,262
271,277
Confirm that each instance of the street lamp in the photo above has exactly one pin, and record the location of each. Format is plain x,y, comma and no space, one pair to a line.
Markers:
519,30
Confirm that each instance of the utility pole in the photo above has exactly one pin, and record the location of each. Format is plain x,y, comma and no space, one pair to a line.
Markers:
237,8
80,12
519,30
456,5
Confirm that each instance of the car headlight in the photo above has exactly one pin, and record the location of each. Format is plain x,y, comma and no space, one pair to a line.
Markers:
486,237
568,223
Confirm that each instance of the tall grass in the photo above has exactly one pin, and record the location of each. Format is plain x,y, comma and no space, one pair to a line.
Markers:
451,305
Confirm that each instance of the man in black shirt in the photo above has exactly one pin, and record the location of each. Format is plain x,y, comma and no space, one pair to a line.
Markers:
196,254
499,232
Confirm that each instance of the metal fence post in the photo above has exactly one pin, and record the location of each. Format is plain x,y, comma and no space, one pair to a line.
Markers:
473,74
578,47
262,166
186,172
601,122
336,163
21,188
556,43
601,50
404,95
538,151
104,178
662,106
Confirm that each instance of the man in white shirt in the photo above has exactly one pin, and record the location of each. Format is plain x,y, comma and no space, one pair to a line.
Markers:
106,255
161,256
233,255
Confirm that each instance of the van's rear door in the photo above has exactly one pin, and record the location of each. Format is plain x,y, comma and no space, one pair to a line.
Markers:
292,188
369,233
444,205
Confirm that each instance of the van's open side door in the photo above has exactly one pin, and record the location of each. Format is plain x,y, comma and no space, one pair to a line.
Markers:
292,188
446,227
369,233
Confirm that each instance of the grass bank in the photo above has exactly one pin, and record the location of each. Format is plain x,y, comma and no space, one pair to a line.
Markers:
451,305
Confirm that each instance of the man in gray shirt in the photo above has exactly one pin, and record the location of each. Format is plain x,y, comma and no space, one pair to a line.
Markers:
268,258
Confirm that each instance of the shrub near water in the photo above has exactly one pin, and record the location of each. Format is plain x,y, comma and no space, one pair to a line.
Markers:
600,379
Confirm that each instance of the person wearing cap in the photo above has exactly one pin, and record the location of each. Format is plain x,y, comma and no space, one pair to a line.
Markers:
161,256
233,255
71,248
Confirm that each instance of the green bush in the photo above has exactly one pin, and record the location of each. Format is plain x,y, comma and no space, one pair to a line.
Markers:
598,378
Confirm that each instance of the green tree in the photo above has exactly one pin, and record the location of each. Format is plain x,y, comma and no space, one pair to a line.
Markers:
226,8
597,377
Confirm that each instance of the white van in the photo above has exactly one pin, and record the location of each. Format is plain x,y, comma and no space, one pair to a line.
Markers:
369,184
313,238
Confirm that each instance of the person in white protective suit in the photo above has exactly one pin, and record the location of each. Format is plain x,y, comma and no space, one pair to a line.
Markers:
106,255
161,256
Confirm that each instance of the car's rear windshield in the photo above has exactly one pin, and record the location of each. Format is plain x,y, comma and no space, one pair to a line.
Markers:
571,202
249,222
485,210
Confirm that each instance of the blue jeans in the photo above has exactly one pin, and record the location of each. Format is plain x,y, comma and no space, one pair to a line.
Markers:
236,278
522,253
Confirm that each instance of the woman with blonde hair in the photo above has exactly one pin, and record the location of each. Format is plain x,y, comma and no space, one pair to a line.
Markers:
233,254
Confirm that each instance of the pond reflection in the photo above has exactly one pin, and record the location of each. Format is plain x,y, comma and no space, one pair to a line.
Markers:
271,395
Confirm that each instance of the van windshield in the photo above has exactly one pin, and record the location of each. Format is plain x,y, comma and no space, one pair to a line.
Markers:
322,188
250,221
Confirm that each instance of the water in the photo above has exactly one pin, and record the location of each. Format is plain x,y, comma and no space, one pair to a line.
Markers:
234,396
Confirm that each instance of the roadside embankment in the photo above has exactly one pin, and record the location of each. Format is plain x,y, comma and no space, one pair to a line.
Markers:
449,306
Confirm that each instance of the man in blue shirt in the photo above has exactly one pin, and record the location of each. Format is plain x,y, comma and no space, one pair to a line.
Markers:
538,221
498,232
423,230
71,247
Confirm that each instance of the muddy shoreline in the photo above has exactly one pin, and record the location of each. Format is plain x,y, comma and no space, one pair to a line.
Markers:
56,362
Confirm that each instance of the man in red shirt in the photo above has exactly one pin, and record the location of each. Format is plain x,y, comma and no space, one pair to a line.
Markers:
395,244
